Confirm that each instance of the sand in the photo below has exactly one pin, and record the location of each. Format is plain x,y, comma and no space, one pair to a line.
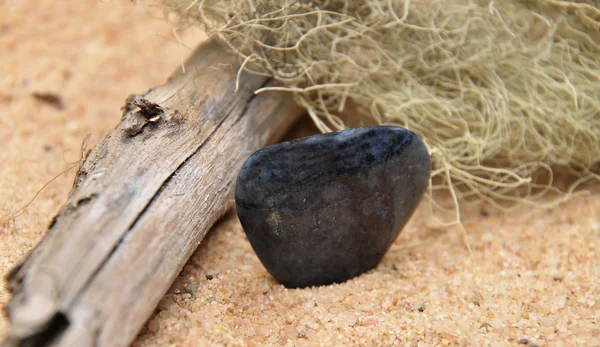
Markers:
534,277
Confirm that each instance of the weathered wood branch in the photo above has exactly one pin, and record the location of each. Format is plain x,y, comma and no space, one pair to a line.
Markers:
142,201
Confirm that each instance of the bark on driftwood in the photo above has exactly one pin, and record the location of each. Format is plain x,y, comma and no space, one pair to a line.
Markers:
142,201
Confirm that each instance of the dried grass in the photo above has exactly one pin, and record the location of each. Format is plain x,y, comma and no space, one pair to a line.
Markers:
502,92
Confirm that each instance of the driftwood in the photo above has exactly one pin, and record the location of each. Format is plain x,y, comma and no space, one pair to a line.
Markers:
142,201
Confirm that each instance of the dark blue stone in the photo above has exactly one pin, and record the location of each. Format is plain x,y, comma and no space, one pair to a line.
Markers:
326,208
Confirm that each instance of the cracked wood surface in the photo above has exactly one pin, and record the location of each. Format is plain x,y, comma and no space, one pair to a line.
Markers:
142,201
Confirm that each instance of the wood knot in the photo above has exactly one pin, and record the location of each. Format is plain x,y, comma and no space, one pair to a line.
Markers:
151,111
148,112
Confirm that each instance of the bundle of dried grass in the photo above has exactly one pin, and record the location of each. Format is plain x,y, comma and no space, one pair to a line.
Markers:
502,93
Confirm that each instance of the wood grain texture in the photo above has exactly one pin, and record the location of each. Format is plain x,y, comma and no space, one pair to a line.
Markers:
142,201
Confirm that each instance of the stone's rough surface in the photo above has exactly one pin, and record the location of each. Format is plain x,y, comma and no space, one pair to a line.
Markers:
326,208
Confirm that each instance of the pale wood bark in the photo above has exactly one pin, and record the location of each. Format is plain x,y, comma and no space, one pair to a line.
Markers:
142,201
